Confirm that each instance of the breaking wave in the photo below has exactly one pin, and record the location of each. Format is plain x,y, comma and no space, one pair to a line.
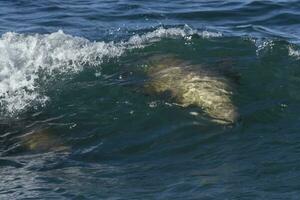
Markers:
26,61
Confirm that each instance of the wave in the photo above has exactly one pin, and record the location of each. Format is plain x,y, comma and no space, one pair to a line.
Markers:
24,57
26,61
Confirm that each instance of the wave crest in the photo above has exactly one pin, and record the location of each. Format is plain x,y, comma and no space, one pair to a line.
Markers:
23,57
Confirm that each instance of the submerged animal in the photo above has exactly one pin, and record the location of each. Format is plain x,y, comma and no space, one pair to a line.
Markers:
192,85
42,141
31,140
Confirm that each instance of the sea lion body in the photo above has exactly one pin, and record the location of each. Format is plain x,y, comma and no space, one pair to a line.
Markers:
42,141
206,89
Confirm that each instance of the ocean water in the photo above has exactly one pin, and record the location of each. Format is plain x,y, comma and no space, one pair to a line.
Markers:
78,122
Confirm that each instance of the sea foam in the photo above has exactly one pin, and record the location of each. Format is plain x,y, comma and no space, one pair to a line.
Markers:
294,53
24,56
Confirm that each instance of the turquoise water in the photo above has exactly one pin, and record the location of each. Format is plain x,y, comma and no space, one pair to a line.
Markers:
77,122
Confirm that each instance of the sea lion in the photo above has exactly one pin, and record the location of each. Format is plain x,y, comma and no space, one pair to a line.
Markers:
42,140
22,136
190,84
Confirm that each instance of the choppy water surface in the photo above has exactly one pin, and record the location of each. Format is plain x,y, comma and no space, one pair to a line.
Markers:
78,122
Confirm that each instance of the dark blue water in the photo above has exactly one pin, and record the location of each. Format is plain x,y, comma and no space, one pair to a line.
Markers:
82,115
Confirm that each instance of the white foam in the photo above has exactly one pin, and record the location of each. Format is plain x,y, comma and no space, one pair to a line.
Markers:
294,53
263,45
185,32
23,57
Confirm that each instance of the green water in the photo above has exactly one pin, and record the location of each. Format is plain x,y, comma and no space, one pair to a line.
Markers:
77,122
